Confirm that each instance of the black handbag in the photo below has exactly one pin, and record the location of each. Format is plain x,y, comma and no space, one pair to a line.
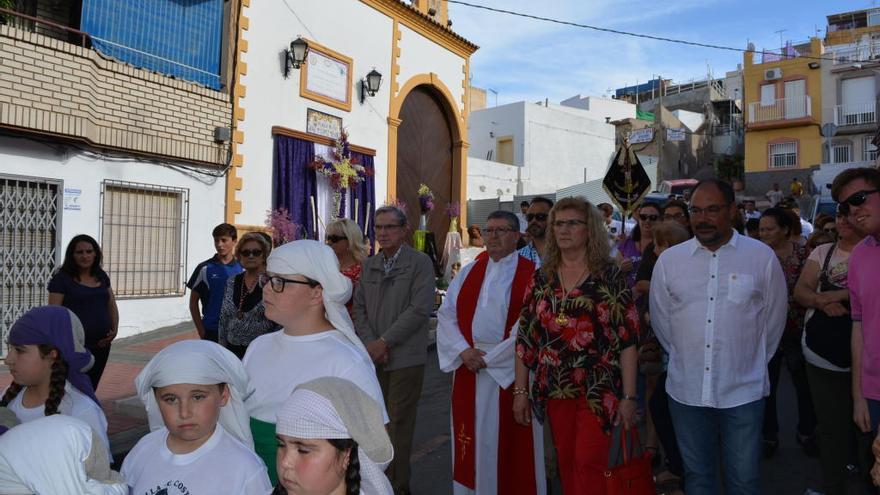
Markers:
829,336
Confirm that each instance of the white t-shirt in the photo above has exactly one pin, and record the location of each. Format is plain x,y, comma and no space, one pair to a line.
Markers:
220,465
276,363
74,404
837,268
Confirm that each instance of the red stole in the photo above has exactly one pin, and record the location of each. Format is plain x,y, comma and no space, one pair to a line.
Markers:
515,450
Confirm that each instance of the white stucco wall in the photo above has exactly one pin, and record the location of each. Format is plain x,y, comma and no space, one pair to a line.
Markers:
600,108
272,100
348,27
419,55
486,126
556,146
489,179
79,171
691,120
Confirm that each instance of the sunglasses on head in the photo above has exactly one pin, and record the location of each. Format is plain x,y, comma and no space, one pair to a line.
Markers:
649,218
536,216
251,253
333,239
855,199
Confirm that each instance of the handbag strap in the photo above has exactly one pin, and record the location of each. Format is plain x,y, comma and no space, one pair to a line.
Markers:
824,283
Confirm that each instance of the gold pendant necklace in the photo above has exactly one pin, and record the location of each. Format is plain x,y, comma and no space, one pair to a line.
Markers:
561,318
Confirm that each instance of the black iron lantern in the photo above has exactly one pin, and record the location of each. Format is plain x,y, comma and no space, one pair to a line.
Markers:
296,55
370,84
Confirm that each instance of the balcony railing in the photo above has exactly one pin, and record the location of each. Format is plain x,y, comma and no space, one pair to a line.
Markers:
857,114
781,109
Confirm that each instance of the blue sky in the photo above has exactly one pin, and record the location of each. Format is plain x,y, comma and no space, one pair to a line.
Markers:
525,59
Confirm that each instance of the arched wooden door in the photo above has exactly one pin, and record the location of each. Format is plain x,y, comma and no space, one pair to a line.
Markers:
424,155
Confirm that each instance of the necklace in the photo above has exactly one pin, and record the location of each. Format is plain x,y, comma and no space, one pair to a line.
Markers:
245,291
561,318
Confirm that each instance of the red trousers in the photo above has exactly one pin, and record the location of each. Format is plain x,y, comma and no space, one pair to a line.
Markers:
581,446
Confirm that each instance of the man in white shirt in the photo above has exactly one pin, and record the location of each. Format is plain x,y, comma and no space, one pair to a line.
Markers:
493,454
750,210
718,306
521,216
775,195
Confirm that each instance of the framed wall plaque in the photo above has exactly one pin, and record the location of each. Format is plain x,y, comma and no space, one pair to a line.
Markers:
323,124
326,77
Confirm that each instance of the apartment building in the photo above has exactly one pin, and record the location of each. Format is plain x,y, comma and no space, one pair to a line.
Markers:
121,134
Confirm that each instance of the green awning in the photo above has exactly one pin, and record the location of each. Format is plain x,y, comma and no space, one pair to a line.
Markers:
643,115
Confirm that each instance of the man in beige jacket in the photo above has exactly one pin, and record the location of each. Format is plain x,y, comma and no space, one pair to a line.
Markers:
392,304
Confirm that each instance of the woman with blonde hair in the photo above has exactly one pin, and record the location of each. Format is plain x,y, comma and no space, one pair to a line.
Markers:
577,335
344,236
242,314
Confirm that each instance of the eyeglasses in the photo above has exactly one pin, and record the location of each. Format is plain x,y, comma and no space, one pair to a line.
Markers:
568,223
541,217
251,253
380,228
277,283
674,216
649,218
855,199
333,239
499,231
713,210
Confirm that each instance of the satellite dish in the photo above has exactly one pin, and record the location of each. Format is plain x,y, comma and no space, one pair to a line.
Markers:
829,130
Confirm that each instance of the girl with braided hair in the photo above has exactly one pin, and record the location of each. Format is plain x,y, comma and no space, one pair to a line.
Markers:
331,441
48,360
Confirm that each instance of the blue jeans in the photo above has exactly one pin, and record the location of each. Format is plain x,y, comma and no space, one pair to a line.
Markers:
699,430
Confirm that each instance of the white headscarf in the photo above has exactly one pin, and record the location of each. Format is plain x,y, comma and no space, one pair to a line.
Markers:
199,362
317,261
335,408
49,456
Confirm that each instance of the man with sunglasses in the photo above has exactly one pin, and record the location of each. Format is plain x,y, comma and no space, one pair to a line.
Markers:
474,340
391,308
857,192
536,216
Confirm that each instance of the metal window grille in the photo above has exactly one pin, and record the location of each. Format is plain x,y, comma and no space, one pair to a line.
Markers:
783,155
841,153
869,153
143,237
30,221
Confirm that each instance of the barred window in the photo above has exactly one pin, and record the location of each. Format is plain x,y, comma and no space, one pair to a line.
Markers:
143,237
869,153
783,155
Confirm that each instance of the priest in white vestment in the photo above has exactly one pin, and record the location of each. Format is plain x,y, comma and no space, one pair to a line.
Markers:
475,339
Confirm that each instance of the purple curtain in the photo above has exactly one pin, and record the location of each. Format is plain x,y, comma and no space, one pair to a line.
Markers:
294,182
365,192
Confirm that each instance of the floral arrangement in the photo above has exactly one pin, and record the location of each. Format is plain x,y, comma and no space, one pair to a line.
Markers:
343,170
453,209
397,203
426,198
281,227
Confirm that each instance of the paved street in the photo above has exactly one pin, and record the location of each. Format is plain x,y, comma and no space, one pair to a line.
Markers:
790,472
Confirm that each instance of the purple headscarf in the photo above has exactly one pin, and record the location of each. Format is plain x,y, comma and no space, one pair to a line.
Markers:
59,327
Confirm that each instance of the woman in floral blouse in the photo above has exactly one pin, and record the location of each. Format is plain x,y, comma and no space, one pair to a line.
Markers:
780,229
577,336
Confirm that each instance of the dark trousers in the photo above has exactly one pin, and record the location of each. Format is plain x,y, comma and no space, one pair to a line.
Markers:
402,389
836,430
792,355
101,355
663,425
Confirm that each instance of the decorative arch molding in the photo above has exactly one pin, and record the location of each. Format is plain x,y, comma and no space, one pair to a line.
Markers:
458,128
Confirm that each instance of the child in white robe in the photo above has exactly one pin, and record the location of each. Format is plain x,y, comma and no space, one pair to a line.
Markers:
200,442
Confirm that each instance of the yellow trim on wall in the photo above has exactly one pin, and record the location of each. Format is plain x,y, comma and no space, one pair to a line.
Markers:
458,126
424,25
304,92
233,181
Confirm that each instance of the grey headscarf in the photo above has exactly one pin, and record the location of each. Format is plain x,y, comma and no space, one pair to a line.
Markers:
335,408
317,261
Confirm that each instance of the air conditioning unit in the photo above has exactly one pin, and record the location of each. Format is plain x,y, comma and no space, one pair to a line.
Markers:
771,74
